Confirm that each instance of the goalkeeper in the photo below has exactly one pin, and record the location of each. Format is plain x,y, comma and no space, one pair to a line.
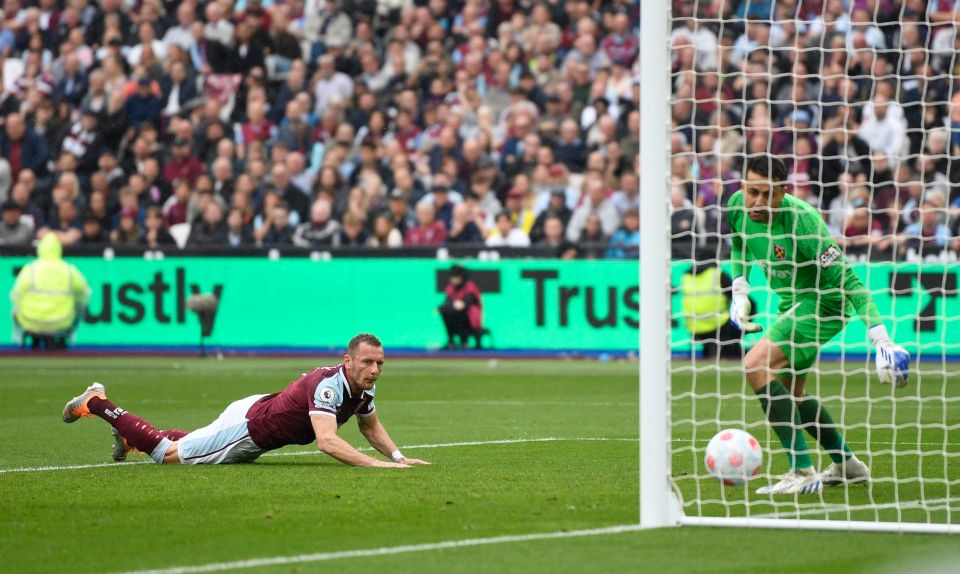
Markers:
818,292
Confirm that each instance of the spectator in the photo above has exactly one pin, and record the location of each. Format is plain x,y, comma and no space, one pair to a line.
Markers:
64,223
462,228
429,231
155,235
279,230
73,84
860,232
320,230
257,129
929,236
385,234
521,216
443,207
94,232
183,165
504,234
176,206
571,150
144,107
556,208
553,232
178,88
128,230
148,41
21,147
352,232
20,194
620,45
625,243
331,85
181,34
594,202
327,26
403,218
682,220
627,197
593,241
296,200
210,230
883,127
13,231
239,233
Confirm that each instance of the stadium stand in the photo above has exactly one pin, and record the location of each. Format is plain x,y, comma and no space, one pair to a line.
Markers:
859,97
333,124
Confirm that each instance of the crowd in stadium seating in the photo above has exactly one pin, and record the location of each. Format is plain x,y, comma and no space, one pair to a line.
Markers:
858,96
321,123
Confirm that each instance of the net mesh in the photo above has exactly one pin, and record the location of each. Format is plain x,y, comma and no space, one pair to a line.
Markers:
859,99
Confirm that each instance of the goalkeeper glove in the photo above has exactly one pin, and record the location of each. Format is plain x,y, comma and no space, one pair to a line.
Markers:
740,307
893,361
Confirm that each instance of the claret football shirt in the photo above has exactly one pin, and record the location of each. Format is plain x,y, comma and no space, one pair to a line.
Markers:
283,418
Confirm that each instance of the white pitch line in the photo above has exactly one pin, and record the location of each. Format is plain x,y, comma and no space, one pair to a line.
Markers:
71,467
306,452
474,443
386,550
941,504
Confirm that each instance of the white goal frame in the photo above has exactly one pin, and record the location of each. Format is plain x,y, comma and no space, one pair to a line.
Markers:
659,503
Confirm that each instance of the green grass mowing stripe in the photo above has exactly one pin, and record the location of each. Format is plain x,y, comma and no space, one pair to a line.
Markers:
386,551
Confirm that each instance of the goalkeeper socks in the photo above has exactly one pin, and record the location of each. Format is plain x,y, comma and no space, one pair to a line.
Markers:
818,422
777,404
140,434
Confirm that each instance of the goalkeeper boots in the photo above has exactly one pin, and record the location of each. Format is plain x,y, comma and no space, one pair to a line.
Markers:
76,408
851,470
120,447
797,481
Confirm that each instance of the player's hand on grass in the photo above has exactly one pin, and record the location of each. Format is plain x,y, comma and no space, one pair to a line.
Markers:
412,461
386,464
893,361
740,307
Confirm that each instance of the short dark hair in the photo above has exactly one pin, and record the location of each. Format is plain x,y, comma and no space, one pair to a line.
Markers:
368,338
767,166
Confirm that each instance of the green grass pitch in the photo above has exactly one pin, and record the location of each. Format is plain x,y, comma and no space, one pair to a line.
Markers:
132,517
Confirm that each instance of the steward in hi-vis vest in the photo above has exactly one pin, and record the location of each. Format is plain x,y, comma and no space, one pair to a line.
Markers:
49,294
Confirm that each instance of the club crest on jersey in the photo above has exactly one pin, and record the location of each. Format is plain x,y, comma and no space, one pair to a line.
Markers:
779,252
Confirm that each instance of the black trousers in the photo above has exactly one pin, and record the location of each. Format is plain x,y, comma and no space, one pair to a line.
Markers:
457,324
725,342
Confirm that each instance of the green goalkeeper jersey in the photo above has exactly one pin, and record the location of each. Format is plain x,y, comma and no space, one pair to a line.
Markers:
798,255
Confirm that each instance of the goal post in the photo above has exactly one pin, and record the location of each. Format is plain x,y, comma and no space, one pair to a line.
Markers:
864,110
656,497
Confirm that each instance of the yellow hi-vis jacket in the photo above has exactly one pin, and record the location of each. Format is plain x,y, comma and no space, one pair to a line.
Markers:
49,291
704,305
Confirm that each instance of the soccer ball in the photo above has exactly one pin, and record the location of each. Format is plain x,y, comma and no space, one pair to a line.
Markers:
733,457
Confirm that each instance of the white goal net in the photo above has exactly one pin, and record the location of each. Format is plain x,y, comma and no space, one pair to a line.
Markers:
860,101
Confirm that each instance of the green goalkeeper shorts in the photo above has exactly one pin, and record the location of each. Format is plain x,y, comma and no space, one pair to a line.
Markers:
804,326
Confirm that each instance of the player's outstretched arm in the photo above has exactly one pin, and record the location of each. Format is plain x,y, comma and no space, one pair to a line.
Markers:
372,429
328,442
816,244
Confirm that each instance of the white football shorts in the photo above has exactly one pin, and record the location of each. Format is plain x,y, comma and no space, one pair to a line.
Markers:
225,440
